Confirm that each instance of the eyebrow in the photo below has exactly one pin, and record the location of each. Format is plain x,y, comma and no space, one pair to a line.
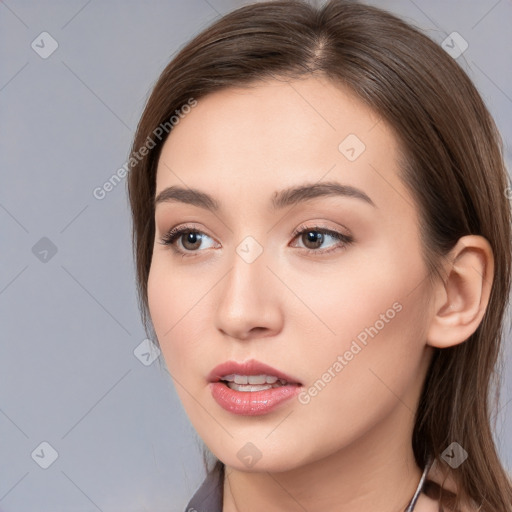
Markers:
280,199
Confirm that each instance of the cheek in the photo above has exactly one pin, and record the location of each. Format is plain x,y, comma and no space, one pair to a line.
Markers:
372,313
180,306
358,376
160,300
168,300
350,297
375,361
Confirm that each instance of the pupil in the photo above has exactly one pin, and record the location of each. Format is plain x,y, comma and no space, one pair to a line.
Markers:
191,238
315,237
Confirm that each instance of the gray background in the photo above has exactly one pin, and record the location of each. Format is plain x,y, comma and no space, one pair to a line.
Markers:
71,370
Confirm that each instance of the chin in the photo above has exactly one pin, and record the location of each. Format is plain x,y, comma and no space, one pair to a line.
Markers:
250,459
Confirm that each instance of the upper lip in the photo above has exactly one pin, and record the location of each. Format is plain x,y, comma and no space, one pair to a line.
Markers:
251,367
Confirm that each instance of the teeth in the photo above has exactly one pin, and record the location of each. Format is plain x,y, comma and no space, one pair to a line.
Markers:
252,379
248,387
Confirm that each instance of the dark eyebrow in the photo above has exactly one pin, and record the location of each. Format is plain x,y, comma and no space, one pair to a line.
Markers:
294,195
188,196
280,199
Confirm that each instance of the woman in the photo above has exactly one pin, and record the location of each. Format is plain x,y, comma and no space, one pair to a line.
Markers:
322,239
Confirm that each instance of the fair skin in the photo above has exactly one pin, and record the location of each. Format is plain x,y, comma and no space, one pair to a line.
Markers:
348,449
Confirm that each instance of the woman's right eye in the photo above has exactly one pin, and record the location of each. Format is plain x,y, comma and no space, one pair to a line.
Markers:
190,239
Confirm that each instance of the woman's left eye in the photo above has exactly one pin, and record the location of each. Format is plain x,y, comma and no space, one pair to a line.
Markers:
191,239
315,236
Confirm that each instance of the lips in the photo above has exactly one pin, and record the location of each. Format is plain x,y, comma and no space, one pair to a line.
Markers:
251,367
248,399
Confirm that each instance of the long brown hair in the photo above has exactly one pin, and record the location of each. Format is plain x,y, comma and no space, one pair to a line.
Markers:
452,163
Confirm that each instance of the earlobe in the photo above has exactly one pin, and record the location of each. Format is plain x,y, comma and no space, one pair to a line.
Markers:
461,298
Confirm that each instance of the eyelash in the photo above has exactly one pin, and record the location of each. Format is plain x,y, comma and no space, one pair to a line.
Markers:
174,234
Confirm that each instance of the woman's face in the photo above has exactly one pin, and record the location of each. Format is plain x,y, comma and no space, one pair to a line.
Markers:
266,278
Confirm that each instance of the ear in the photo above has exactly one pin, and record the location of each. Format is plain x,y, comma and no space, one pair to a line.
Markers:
461,298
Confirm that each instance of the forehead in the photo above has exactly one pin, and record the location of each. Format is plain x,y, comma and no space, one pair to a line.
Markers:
281,133
282,116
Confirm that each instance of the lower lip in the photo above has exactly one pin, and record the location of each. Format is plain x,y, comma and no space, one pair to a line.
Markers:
251,403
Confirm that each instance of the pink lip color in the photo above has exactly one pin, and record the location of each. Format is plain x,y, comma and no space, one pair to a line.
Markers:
251,403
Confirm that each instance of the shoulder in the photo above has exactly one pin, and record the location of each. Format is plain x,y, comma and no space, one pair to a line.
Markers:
208,497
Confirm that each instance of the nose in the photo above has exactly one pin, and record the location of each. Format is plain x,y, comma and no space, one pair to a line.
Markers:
248,301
